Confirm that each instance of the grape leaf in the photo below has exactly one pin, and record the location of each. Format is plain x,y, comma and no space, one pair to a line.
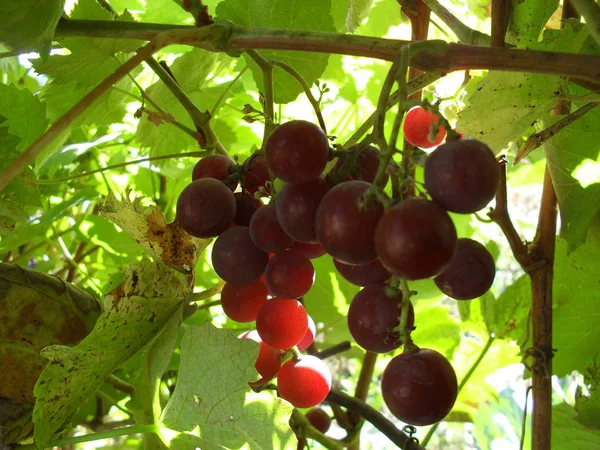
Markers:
134,313
436,328
568,433
506,316
382,16
30,24
303,15
588,408
167,11
213,406
357,12
527,19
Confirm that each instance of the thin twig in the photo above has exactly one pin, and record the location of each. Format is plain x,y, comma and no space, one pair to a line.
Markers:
524,422
120,385
336,349
269,104
305,429
500,15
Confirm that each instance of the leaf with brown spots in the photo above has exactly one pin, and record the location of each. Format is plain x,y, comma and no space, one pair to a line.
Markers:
134,314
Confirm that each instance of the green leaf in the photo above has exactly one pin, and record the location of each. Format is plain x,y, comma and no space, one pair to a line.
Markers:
167,11
588,408
381,17
506,316
307,15
150,295
568,433
527,19
436,328
357,12
576,327
213,406
30,24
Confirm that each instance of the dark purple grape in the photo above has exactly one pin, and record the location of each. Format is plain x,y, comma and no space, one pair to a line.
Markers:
297,151
462,175
372,317
419,387
266,232
470,274
319,419
363,274
289,275
297,207
236,259
311,251
360,162
205,208
246,206
415,239
256,175
215,166
345,230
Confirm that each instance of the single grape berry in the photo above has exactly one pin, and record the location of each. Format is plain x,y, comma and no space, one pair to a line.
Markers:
372,317
297,151
297,207
309,337
470,274
363,274
344,229
205,208
266,232
242,303
282,323
419,387
236,259
246,206
462,175
319,419
269,359
415,239
311,251
417,127
360,162
304,383
256,175
289,275
215,166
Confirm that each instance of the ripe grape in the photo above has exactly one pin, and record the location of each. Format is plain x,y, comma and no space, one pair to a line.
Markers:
372,317
246,206
344,229
419,387
363,274
215,166
309,337
269,359
236,259
282,323
297,207
289,275
417,125
256,175
205,208
360,162
266,232
311,251
470,274
319,419
242,303
415,239
462,175
297,151
304,383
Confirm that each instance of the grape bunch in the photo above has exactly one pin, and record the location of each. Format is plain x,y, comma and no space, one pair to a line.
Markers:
263,251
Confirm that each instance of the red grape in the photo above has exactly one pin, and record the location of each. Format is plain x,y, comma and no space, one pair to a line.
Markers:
246,206
282,323
236,259
289,275
363,274
470,274
215,166
297,207
309,337
297,151
415,239
269,359
304,383
360,162
319,419
241,303
205,208
462,175
372,317
345,230
417,125
419,387
266,232
256,174
311,251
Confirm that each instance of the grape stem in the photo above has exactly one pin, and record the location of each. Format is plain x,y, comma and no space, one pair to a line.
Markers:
311,98
269,100
120,385
403,330
304,429
343,346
